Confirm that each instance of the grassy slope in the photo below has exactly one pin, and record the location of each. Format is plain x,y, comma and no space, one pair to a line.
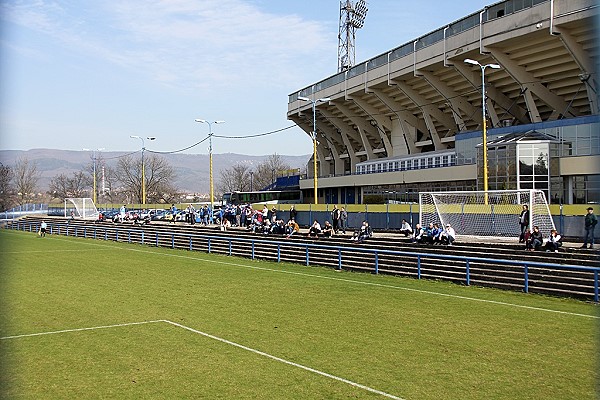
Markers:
389,336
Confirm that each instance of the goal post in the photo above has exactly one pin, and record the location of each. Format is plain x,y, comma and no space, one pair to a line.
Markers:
82,207
492,213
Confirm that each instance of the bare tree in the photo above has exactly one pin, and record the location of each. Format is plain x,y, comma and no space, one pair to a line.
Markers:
62,186
267,171
25,179
235,178
6,193
158,179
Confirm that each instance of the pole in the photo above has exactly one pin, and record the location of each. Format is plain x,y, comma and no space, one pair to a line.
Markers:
314,137
485,158
210,158
143,174
94,194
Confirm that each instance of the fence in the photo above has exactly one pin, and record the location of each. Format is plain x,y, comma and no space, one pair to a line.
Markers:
307,251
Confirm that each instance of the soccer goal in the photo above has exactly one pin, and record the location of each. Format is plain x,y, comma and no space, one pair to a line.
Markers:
491,213
82,207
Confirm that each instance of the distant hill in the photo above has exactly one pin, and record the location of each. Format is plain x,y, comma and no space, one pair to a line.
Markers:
192,170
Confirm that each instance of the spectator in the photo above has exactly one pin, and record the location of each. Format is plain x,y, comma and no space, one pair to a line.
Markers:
292,228
448,235
43,227
535,240
314,229
335,218
121,213
238,215
225,224
328,230
343,220
293,213
405,228
523,222
428,237
590,223
554,241
363,233
436,234
419,235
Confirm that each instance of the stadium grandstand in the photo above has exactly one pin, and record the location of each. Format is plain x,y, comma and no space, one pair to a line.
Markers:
411,119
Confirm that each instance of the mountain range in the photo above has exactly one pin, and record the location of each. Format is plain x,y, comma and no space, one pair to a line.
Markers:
191,170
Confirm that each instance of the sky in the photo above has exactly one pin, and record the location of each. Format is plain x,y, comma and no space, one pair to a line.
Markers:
88,74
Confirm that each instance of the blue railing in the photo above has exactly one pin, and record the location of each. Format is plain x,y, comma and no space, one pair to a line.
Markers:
24,209
172,238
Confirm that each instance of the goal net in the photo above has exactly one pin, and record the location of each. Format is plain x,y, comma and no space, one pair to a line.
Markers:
81,207
491,213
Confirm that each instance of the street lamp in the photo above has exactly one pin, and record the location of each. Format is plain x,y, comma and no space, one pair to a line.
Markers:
485,158
94,170
210,134
143,165
314,136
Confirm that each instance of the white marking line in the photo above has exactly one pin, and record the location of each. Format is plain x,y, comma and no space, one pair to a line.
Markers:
261,353
82,329
293,364
453,296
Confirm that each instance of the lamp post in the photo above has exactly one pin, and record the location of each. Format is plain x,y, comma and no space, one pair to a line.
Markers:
143,165
485,158
94,158
314,137
210,134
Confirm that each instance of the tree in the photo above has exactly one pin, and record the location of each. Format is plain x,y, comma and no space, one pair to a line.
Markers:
158,180
25,179
267,171
236,178
63,186
6,193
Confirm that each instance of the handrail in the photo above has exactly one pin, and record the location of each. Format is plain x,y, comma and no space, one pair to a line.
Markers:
376,252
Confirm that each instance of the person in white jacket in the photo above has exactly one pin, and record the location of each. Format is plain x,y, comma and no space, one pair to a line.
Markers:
448,235
554,241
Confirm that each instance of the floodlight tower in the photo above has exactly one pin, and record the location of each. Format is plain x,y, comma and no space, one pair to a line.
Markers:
352,17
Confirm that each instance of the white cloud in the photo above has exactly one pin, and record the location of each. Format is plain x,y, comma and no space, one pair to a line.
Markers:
184,43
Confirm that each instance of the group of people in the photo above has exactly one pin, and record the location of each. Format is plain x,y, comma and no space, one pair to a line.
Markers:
534,239
432,234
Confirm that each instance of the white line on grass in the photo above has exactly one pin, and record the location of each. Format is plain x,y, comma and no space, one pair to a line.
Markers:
293,364
501,303
208,335
373,284
82,329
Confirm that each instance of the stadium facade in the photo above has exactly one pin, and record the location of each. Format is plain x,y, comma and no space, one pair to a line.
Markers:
410,120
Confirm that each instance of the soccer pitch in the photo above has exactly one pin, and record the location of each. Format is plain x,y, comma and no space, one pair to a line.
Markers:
93,319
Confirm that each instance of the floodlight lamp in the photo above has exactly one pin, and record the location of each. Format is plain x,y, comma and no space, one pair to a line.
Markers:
303,98
325,99
494,66
219,122
151,138
135,136
200,120
470,61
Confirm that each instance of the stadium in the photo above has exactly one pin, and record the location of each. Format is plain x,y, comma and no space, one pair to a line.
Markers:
411,119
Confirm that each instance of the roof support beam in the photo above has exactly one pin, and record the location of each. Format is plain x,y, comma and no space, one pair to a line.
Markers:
532,85
585,63
361,127
383,122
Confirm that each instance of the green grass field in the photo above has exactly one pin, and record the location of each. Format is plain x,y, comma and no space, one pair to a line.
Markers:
171,324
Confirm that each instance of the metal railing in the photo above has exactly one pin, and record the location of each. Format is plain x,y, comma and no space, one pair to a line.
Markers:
187,241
